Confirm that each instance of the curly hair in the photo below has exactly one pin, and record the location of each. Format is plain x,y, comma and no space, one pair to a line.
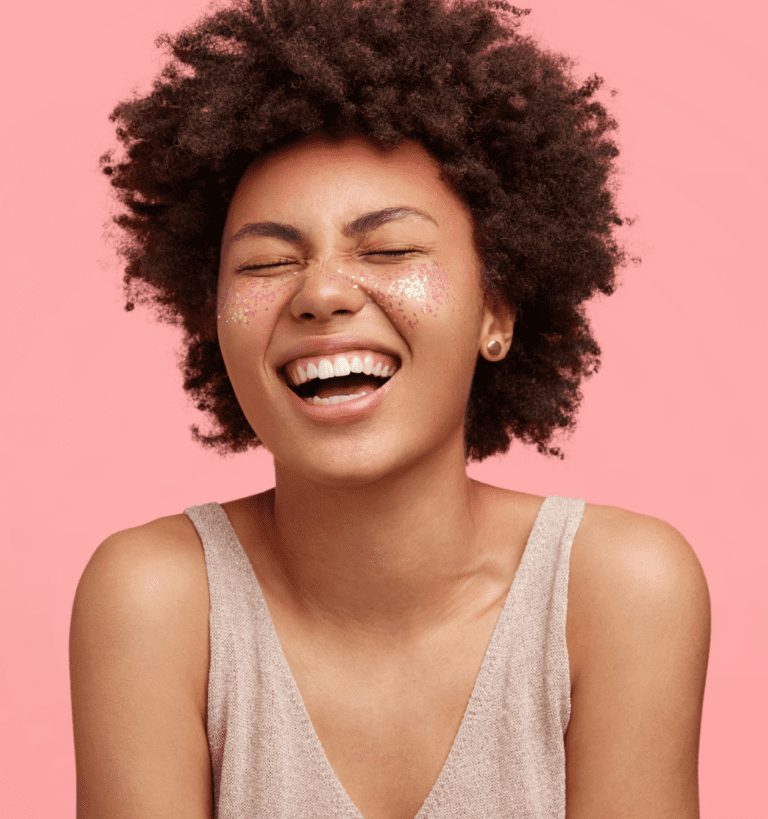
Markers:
525,146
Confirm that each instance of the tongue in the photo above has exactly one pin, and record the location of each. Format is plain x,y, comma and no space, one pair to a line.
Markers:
348,385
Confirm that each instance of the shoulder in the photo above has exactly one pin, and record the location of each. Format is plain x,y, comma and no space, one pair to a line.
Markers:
148,583
171,536
632,577
638,634
638,551
154,567
138,671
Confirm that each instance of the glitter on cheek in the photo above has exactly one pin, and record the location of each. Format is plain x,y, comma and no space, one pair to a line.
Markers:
414,287
247,298
421,287
423,283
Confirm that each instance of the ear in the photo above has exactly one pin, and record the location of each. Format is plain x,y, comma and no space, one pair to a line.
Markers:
496,329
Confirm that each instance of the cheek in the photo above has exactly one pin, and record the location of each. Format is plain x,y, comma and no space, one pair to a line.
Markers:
249,299
412,292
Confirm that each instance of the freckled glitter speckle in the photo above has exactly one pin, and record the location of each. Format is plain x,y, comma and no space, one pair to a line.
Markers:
414,287
246,299
396,292
424,283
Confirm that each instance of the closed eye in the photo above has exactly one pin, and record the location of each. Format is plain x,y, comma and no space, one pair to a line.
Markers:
393,253
286,262
243,267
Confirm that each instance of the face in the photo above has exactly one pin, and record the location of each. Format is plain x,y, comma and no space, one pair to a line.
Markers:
350,310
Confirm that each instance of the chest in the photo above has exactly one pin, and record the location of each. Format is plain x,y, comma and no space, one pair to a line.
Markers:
387,726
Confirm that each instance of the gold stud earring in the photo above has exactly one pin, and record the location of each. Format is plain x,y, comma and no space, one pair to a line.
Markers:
494,347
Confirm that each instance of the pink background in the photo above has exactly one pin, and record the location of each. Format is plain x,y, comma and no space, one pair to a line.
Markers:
96,423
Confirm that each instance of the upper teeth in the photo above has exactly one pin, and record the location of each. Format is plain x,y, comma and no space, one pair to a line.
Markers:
340,366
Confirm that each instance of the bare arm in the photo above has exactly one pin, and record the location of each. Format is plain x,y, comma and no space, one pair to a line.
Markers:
138,667
639,643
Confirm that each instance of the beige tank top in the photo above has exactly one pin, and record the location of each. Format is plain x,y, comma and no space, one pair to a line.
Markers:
507,760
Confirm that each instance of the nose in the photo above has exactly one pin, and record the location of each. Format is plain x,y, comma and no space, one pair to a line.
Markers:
326,292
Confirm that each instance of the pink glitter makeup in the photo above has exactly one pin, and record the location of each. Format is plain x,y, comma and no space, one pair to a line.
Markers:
413,289
422,283
248,297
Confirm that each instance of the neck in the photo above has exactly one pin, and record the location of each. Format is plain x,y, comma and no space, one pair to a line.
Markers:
391,558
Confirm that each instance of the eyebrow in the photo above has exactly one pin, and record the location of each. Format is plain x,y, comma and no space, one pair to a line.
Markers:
363,224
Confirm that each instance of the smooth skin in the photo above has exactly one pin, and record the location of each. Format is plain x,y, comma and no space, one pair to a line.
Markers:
374,534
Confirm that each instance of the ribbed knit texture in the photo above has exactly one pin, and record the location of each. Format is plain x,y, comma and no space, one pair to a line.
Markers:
508,758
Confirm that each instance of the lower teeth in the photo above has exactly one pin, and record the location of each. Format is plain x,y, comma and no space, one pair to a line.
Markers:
334,399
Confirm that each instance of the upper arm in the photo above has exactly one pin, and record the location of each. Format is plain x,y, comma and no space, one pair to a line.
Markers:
638,634
137,666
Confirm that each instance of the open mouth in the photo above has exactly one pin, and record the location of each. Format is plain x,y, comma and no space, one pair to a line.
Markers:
325,381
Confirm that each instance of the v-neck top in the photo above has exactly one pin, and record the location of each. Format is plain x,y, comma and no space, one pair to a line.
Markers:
508,756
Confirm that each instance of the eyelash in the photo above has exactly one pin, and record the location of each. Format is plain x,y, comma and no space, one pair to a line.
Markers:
285,262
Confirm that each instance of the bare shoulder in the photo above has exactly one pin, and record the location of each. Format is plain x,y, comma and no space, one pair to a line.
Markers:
155,574
629,568
171,535
639,551
638,635
138,671
171,538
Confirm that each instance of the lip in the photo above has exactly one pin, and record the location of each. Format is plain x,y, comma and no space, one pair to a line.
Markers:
355,410
328,345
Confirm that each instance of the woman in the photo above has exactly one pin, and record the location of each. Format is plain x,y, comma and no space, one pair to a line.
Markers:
378,224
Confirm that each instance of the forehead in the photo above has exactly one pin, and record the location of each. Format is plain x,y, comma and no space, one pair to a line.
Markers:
341,178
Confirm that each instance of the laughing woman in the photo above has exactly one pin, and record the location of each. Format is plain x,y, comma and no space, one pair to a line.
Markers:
378,222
